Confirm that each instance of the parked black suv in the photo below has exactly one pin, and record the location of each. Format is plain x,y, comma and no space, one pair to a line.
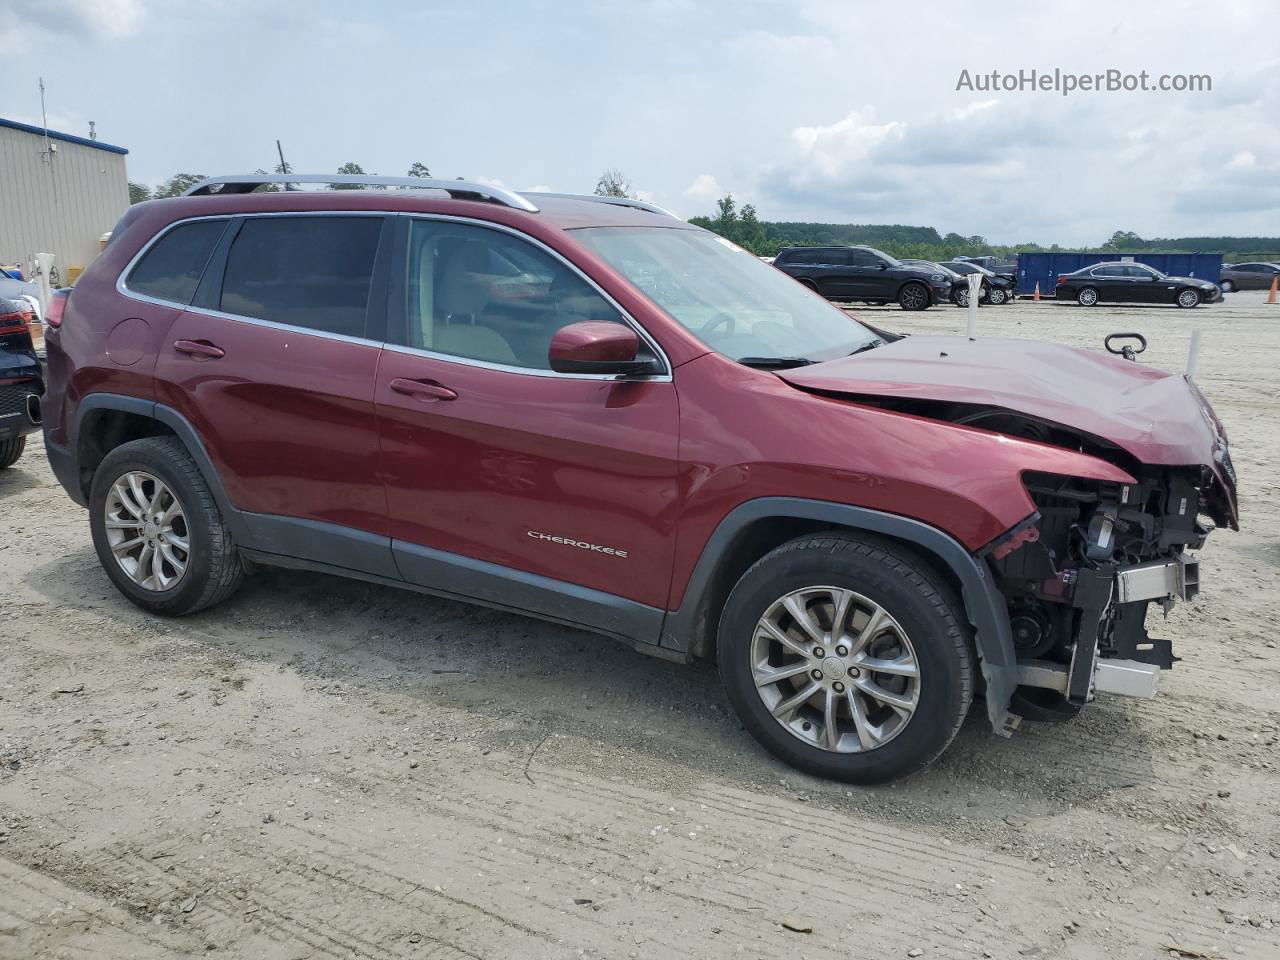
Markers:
864,274
20,381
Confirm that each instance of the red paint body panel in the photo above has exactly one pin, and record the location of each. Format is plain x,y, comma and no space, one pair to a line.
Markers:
747,434
592,460
286,416
1149,412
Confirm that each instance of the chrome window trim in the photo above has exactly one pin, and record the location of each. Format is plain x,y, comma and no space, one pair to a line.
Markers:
630,321
664,377
286,327
122,286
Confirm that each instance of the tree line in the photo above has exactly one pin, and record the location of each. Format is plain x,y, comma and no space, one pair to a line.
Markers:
766,237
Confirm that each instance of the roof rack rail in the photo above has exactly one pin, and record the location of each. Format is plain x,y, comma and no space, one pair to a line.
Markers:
616,201
458,189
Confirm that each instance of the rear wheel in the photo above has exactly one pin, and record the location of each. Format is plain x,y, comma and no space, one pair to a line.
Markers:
11,450
846,659
1087,297
913,296
1189,298
808,283
157,530
1226,286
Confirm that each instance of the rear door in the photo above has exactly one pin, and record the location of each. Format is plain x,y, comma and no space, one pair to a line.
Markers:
505,481
273,364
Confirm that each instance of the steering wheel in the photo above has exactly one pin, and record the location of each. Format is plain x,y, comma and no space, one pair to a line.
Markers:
719,320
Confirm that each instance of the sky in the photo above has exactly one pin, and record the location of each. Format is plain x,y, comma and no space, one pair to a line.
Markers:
829,110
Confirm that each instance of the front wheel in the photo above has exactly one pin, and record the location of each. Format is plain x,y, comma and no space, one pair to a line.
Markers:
1087,297
1188,299
913,296
846,658
157,530
11,450
997,296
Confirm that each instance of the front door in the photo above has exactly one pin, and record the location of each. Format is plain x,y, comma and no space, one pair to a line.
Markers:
502,476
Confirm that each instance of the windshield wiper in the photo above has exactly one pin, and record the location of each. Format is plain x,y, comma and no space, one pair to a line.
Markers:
774,363
871,345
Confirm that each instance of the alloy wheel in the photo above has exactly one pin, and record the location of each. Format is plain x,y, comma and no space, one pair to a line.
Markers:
1188,298
1088,297
835,669
147,532
913,297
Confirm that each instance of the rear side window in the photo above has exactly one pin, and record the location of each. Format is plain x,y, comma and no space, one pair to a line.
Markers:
171,269
311,272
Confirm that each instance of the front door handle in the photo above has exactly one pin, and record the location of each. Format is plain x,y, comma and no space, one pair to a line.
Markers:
423,389
200,349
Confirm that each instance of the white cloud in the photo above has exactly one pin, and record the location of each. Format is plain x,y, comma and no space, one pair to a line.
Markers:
704,188
1244,160
95,19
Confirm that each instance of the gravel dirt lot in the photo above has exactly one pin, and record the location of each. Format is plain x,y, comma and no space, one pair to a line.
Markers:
325,768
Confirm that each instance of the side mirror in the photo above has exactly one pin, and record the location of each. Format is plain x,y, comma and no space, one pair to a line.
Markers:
883,265
592,346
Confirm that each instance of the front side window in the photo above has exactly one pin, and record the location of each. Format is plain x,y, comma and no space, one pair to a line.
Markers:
486,295
171,269
310,272
731,301
864,258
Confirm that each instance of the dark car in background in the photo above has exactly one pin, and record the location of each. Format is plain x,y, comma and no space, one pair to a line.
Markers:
864,274
959,285
21,383
1248,276
995,288
1126,282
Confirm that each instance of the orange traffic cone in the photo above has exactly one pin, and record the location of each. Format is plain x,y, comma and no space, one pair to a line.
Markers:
1275,283
1037,294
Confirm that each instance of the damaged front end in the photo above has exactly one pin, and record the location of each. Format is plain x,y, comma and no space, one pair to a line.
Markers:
1082,573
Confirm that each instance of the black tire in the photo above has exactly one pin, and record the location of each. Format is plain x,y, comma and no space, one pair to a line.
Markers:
912,594
913,296
1188,298
996,296
11,450
214,570
1087,297
807,283
1226,286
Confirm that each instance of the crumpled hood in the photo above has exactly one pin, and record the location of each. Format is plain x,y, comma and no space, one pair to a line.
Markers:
1154,415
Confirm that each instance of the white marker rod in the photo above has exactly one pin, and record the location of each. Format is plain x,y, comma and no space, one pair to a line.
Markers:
1193,355
975,288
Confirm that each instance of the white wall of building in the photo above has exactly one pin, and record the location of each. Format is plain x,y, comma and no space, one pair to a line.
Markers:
60,206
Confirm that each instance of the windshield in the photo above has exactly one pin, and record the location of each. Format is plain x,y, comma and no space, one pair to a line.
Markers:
726,297
892,261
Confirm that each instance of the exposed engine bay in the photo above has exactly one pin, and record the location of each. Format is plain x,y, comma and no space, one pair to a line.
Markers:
1082,573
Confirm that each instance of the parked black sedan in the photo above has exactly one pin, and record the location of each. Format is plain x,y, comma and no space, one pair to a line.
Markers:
995,288
1133,283
20,382
1248,276
864,274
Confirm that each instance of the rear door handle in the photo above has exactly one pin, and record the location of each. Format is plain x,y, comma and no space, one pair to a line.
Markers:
423,389
200,349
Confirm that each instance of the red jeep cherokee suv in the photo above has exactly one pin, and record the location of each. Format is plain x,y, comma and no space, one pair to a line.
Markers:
587,410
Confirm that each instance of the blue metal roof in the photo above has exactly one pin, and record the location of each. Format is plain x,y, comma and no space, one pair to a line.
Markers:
55,135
